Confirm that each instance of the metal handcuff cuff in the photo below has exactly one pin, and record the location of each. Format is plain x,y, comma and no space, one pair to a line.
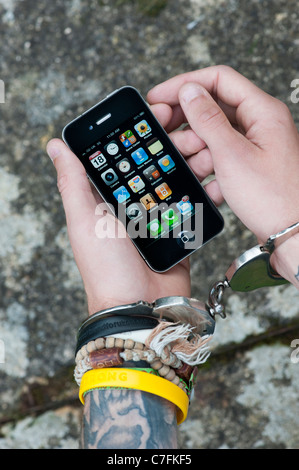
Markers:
250,271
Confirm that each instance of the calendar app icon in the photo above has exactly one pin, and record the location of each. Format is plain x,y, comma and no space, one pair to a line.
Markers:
97,159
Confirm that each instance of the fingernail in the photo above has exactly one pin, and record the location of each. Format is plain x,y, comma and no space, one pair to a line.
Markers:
191,91
53,152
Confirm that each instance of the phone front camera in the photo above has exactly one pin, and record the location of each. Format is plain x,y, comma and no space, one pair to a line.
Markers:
90,128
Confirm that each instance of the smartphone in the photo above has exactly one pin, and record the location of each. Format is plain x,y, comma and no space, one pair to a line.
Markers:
143,178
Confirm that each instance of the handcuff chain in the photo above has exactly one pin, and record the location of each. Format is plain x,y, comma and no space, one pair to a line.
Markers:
214,304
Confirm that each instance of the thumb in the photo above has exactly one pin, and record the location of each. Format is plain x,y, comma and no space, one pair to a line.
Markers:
73,185
208,121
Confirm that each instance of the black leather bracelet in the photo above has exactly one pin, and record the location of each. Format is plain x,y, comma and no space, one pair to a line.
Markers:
112,325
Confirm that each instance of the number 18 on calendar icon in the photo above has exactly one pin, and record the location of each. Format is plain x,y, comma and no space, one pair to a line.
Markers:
97,159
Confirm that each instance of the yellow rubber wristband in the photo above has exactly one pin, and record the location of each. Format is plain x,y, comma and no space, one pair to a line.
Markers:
136,380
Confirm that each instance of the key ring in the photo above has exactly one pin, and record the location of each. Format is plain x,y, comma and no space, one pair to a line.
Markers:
214,304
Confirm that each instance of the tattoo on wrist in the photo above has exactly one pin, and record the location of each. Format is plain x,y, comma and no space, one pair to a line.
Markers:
297,275
128,419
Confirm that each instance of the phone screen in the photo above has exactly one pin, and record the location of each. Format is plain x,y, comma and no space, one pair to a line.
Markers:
141,175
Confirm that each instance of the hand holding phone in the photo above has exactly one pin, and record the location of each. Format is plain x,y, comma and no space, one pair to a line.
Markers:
143,178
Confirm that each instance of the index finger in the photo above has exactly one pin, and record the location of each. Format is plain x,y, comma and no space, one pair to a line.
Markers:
223,83
219,80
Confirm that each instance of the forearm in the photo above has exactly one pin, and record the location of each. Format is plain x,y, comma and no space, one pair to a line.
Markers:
128,419
132,398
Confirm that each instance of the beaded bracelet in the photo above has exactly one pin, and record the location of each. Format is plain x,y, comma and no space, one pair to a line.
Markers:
100,343
116,356
135,380
106,342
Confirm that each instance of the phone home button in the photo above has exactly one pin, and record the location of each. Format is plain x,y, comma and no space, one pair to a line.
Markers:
184,237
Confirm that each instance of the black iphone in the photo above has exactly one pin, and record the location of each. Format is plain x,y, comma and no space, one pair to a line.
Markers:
143,178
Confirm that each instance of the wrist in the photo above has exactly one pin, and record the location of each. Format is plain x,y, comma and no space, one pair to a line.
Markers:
285,260
95,304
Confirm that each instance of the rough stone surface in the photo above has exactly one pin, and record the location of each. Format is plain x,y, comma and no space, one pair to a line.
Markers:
57,59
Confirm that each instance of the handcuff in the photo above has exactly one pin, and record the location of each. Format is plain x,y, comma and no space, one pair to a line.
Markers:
251,270
175,309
